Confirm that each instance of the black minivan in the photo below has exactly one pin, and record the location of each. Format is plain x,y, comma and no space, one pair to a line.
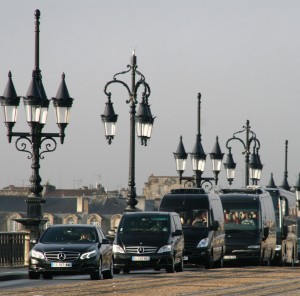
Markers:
202,219
148,240
250,226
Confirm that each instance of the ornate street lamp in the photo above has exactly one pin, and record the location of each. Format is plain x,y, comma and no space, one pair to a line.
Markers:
253,168
36,108
142,122
198,158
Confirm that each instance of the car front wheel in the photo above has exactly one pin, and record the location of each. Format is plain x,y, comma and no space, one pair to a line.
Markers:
33,275
109,274
98,273
47,276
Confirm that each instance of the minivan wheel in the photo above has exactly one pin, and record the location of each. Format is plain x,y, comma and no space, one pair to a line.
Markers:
179,266
293,258
210,261
171,267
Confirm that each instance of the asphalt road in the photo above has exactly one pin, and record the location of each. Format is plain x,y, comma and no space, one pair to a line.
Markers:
252,281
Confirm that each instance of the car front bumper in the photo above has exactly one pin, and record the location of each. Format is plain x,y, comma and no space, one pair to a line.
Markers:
139,262
77,267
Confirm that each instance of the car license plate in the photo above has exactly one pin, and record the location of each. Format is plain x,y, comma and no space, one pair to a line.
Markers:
185,258
140,258
61,264
229,257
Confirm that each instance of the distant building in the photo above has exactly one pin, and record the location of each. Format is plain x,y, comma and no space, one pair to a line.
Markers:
158,186
68,206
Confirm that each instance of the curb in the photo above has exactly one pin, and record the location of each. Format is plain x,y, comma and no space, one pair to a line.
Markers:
13,275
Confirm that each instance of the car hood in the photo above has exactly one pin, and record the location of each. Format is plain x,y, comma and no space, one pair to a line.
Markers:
151,239
64,247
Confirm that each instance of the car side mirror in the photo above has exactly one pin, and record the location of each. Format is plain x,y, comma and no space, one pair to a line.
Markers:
105,241
177,232
215,225
266,232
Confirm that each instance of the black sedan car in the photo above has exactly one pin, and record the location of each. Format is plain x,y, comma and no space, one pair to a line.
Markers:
71,249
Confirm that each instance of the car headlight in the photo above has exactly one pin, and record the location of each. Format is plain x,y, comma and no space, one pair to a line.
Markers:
36,254
278,248
164,249
88,255
254,247
118,249
203,243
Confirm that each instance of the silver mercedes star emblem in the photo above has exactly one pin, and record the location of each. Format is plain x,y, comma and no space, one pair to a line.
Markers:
140,250
61,256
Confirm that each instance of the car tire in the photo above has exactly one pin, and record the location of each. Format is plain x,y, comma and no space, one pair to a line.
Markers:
97,274
109,274
171,267
47,276
179,266
33,275
117,270
209,261
126,270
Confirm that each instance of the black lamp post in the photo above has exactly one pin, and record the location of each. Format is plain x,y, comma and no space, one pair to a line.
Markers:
36,107
142,122
198,158
285,184
253,165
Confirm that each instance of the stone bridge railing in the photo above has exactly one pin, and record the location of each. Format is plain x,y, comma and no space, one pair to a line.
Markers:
14,249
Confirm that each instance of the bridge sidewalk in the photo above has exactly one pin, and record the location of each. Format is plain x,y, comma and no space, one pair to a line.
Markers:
13,273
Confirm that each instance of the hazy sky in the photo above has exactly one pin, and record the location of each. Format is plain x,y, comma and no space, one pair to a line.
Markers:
243,56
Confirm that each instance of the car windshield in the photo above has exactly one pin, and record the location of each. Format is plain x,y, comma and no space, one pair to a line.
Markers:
69,235
141,223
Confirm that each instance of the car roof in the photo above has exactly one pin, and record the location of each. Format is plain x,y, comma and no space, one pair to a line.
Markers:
149,213
72,225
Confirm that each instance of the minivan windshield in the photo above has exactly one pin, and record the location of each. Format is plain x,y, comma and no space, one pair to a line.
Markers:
195,218
145,223
241,215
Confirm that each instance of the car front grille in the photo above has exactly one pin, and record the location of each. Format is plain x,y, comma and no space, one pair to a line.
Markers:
61,256
140,250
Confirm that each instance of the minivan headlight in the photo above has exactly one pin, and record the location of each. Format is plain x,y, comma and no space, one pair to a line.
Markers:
164,249
88,255
118,249
203,243
254,247
36,254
